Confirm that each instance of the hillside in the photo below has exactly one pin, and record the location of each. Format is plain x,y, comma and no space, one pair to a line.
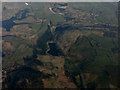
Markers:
60,45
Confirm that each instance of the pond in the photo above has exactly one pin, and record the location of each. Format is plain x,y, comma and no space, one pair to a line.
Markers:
54,51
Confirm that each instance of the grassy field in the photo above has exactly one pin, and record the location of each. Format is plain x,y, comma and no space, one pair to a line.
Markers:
95,54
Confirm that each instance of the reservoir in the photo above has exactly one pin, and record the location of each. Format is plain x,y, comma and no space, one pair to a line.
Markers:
54,51
8,24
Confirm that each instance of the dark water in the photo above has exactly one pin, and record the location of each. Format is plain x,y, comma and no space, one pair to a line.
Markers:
8,24
54,50
9,36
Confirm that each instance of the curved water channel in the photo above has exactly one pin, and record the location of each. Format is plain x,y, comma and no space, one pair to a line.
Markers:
8,24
